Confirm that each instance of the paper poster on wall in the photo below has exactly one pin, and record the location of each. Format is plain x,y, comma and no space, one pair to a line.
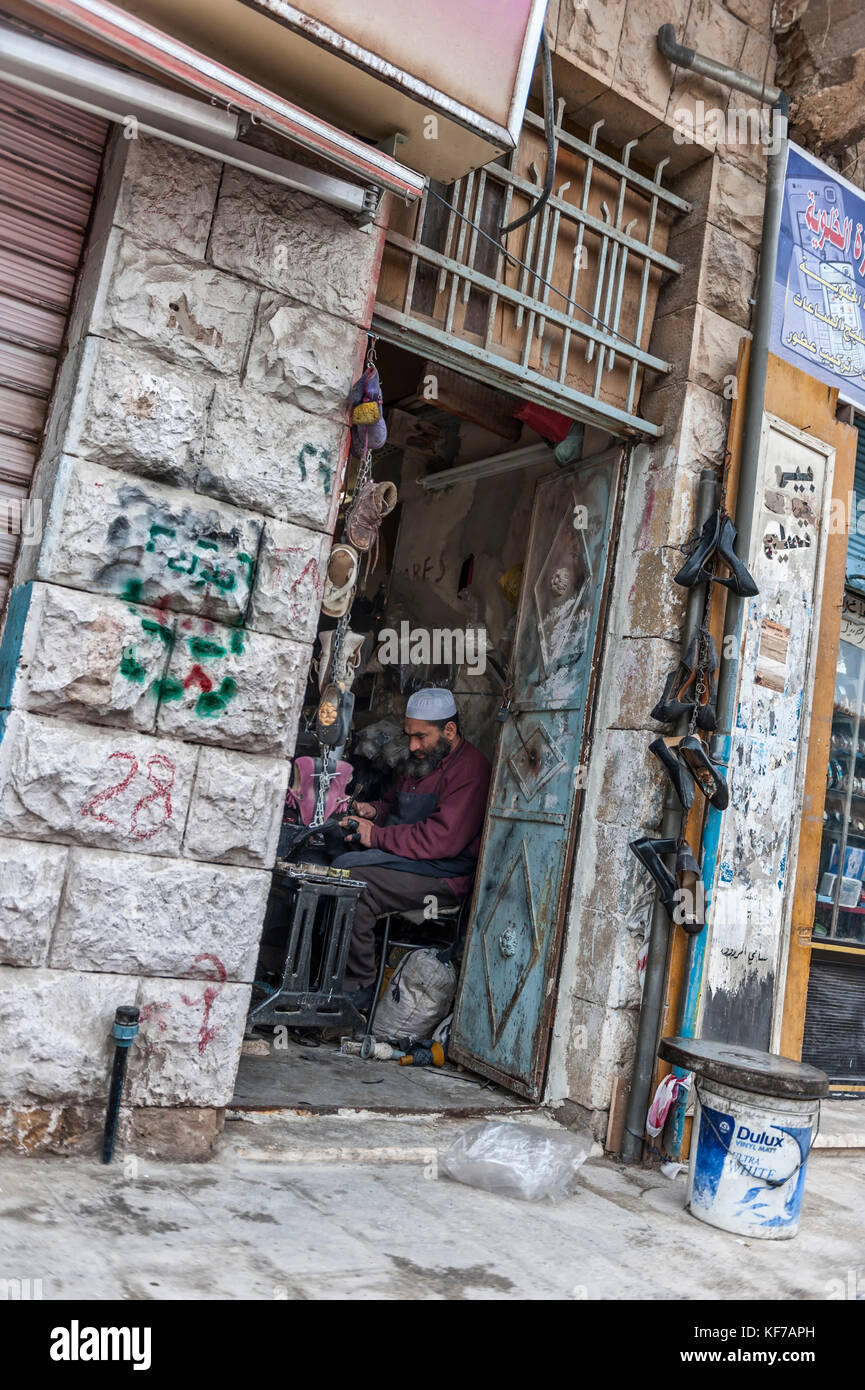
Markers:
818,319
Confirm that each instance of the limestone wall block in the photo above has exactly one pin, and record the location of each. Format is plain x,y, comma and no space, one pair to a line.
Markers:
187,312
189,1043
58,1027
133,410
31,881
304,356
89,657
236,808
154,916
267,454
75,784
168,195
289,581
234,688
295,244
148,543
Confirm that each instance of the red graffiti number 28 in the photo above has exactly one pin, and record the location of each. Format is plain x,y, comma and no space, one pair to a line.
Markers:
160,774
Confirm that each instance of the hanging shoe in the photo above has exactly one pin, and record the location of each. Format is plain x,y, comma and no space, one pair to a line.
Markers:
369,507
689,888
703,549
649,853
680,684
679,773
694,756
350,657
333,716
339,584
740,580
708,698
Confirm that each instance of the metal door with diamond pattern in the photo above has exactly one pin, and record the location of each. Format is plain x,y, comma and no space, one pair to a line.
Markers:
505,1002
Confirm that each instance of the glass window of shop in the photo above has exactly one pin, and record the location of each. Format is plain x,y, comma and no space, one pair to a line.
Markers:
840,911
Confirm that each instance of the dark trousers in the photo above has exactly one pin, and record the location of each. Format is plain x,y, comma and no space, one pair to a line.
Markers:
387,890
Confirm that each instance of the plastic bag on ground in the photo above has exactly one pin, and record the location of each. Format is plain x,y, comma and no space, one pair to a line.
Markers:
516,1160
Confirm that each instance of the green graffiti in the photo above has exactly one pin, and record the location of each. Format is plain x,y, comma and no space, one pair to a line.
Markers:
212,702
169,688
237,643
225,582
204,647
131,667
132,590
207,545
158,531
248,561
301,459
325,470
158,630
174,563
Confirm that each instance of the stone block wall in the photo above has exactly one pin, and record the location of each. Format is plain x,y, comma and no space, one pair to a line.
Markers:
700,320
157,643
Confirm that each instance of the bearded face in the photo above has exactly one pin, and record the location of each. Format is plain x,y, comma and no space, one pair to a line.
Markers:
418,765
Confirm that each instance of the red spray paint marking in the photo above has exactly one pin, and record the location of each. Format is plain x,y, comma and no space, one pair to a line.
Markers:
149,1013
309,569
161,792
89,808
206,1034
198,676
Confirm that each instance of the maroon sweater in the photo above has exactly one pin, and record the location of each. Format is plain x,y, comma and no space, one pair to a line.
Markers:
461,782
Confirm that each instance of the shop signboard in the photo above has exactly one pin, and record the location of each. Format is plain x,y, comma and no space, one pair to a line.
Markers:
818,321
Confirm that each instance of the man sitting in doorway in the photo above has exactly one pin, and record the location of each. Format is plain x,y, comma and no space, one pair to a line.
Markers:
423,838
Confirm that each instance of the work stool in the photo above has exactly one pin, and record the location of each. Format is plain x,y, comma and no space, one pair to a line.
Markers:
451,924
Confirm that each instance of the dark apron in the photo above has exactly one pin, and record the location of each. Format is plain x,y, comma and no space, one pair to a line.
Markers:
411,807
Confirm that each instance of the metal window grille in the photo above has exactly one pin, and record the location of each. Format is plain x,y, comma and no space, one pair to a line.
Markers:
450,293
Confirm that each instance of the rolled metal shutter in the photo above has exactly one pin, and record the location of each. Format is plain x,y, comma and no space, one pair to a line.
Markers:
50,156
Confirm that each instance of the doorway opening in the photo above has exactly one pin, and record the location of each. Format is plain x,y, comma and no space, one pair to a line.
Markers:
441,600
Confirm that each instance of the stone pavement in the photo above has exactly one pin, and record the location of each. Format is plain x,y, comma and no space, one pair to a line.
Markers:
346,1206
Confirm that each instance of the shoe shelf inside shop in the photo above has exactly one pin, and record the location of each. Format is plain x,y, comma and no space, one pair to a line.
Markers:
840,910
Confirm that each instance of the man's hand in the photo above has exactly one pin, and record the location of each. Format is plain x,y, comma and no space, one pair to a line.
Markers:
363,831
364,809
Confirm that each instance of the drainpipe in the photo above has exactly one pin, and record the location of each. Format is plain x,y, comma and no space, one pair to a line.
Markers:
728,679
671,829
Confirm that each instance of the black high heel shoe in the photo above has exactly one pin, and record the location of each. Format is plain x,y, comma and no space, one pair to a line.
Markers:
649,853
740,580
672,703
688,876
679,773
693,755
681,680
718,534
691,572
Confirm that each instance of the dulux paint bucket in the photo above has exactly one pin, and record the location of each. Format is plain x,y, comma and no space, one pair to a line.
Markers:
749,1157
755,1121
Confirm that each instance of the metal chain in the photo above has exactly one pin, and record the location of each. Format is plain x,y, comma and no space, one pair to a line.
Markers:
701,678
337,671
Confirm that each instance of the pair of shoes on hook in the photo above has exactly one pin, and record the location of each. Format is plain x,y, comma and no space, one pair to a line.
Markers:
680,690
718,535
678,890
688,765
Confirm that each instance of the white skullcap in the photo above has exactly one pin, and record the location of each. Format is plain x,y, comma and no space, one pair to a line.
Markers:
431,704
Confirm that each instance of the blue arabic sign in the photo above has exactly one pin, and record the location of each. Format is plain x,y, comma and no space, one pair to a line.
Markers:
818,323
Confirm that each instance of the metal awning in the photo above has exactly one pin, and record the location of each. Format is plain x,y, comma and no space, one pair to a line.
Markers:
144,44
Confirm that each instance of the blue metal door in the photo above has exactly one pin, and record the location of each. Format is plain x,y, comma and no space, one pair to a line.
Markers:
504,1008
